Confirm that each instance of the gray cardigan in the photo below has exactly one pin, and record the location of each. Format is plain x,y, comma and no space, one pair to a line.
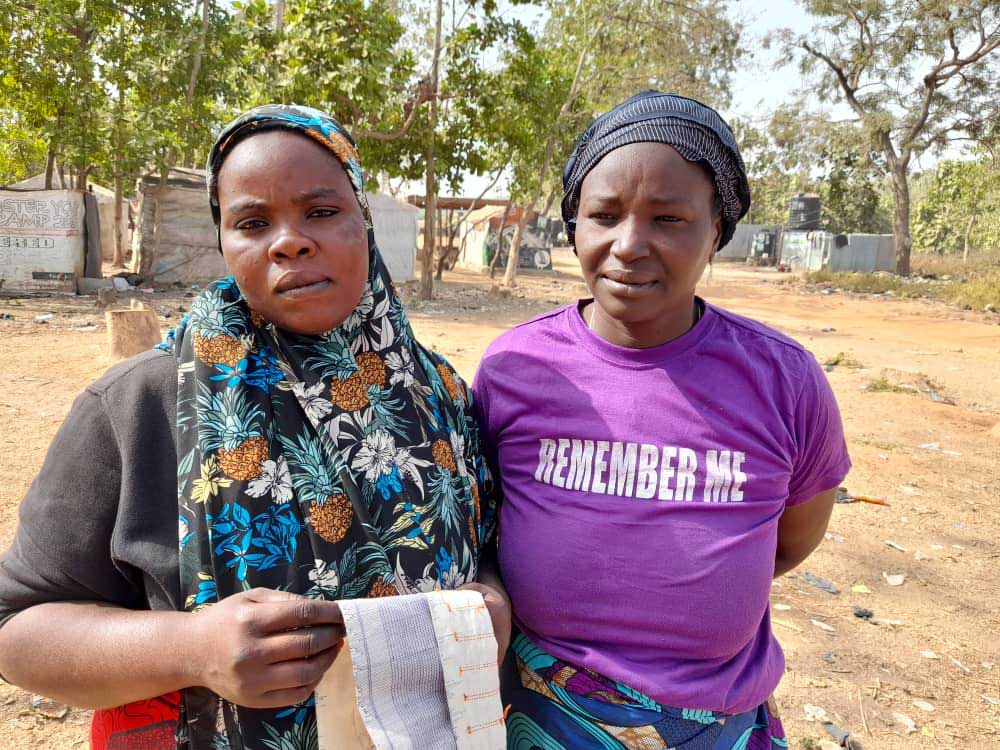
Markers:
99,523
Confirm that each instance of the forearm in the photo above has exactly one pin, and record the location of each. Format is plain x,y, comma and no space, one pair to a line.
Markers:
489,571
97,656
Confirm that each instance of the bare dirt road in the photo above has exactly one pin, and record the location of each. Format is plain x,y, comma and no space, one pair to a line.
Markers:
922,672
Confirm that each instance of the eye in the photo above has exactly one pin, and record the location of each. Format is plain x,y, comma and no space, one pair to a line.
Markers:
251,224
601,216
668,219
322,213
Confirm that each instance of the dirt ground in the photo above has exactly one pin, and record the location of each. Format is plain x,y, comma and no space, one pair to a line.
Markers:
923,672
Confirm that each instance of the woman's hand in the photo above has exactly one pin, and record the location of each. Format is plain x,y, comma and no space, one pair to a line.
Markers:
264,648
498,606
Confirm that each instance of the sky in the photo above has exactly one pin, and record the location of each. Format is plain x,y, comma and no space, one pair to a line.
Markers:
759,85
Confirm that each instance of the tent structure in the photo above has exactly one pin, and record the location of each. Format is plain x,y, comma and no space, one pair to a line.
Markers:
481,233
738,248
396,234
105,209
188,242
860,253
864,253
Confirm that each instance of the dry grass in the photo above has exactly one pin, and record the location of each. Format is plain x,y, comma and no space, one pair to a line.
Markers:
975,286
882,385
842,359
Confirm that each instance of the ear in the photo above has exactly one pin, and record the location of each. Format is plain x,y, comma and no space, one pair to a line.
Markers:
717,223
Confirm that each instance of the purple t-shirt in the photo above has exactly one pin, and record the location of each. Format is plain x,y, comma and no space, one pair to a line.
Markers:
641,496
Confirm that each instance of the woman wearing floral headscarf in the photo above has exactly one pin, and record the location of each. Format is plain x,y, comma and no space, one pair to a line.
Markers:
288,445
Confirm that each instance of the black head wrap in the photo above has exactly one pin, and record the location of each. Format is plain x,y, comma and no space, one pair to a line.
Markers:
695,130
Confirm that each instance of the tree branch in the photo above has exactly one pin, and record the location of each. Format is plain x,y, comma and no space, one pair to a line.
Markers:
414,105
838,71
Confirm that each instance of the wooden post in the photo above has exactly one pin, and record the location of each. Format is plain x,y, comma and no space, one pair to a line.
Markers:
132,331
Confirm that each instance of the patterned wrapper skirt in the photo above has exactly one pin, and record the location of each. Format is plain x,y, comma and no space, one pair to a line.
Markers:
554,706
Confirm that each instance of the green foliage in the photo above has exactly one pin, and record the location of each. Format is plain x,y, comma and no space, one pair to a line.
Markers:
593,54
853,199
22,151
883,385
807,154
963,204
115,88
916,75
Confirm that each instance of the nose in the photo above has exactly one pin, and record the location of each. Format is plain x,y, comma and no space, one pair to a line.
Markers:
291,243
631,242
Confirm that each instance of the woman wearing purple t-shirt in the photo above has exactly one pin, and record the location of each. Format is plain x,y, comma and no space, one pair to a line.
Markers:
660,459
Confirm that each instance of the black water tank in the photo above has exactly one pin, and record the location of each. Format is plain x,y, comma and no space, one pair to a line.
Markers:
803,211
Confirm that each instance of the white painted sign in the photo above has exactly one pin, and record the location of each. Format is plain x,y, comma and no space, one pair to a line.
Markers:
41,239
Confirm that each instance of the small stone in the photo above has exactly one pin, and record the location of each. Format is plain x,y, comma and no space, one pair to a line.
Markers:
815,713
48,708
905,721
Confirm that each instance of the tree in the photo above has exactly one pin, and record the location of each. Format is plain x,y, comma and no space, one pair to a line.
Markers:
430,191
592,55
799,153
22,151
138,47
777,168
961,209
49,78
916,74
401,92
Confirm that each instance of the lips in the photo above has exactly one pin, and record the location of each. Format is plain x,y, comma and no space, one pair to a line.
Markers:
632,279
299,282
628,284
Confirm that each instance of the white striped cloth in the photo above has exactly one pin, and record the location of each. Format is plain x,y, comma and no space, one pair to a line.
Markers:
419,673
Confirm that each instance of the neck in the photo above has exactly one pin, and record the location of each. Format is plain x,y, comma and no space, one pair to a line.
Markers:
646,334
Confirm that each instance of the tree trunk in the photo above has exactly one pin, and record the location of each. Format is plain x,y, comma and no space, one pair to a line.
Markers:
118,259
901,220
430,203
82,176
446,251
279,29
430,228
510,277
496,255
198,52
147,263
50,165
965,240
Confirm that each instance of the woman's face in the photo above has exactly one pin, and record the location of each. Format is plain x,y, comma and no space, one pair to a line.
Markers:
646,227
292,231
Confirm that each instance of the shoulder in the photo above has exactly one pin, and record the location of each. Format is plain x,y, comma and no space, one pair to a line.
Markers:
154,370
754,330
138,388
528,336
762,341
